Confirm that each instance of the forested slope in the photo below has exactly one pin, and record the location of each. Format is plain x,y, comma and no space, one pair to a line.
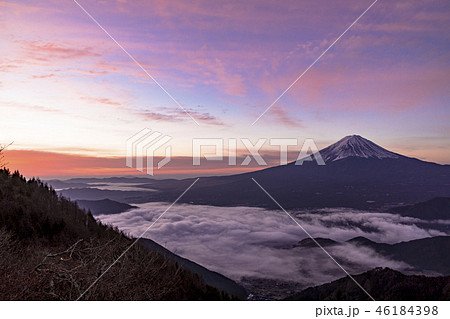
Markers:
53,250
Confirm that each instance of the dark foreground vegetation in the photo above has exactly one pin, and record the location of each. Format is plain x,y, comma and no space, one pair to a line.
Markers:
50,249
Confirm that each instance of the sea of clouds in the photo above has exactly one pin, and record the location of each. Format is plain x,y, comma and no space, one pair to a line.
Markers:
257,243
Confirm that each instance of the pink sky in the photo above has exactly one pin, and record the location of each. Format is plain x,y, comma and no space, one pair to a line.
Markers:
67,89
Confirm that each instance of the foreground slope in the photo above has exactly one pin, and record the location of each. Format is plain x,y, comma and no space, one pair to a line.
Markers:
53,250
211,278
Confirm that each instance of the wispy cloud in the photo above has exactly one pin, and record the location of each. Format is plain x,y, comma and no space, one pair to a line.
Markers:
178,115
102,101
50,51
44,76
285,117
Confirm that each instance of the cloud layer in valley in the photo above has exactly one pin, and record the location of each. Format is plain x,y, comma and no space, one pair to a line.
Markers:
253,242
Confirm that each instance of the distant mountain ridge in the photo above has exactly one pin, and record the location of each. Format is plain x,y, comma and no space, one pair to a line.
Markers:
104,206
324,242
381,284
357,174
425,255
433,209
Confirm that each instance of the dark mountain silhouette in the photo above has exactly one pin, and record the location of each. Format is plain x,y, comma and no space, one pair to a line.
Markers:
58,184
357,174
429,255
308,242
426,254
433,209
53,250
95,194
381,284
101,180
104,206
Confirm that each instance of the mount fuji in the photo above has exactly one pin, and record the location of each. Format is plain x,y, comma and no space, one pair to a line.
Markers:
358,174
355,146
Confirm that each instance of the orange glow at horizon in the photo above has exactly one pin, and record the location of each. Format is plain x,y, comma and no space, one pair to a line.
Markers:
49,164
32,163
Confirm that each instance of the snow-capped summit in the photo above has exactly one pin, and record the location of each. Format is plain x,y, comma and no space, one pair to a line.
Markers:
355,146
